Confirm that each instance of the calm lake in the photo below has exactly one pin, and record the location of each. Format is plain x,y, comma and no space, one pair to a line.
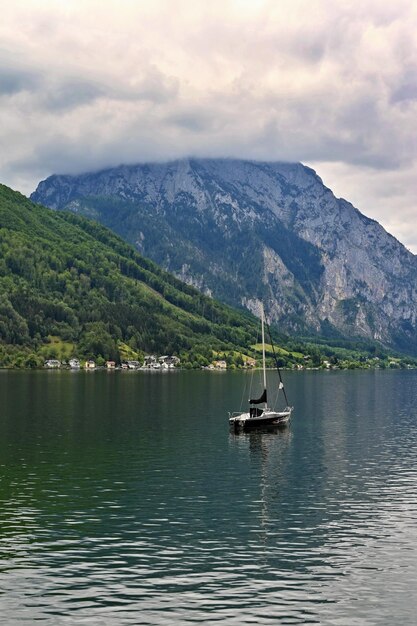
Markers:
124,499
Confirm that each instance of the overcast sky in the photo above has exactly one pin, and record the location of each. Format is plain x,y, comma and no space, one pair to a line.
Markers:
86,84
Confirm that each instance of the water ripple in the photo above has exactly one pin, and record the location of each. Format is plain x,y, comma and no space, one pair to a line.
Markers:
109,521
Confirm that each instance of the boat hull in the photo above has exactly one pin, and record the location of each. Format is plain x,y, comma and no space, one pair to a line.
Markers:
246,420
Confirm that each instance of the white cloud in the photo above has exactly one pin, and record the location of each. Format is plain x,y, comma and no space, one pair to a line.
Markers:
90,84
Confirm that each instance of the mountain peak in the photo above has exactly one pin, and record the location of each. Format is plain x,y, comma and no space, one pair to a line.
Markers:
247,230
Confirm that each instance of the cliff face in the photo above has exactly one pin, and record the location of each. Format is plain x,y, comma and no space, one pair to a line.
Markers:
247,231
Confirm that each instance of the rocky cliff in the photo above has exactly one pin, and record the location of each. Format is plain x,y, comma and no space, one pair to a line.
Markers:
247,231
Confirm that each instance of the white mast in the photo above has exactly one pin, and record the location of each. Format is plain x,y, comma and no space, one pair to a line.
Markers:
263,347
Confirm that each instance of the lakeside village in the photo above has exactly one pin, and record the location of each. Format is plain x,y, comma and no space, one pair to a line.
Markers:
171,362
149,363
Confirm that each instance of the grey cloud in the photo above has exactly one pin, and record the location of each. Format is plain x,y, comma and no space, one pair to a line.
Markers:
192,120
407,91
62,93
407,87
59,155
154,86
69,94
63,155
49,89
14,80
56,90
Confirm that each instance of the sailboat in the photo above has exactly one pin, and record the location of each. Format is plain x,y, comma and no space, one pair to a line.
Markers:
265,415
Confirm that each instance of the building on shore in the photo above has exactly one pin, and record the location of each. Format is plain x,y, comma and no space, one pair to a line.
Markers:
52,364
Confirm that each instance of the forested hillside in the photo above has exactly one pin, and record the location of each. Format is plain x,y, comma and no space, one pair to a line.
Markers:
70,286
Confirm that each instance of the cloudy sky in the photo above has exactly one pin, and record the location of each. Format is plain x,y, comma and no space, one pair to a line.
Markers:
86,84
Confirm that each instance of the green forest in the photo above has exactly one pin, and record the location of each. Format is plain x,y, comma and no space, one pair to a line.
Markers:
70,287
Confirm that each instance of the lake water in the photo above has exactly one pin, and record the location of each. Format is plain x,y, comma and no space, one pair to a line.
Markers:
124,499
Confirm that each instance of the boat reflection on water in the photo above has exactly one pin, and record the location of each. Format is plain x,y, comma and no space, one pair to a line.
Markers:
269,455
262,438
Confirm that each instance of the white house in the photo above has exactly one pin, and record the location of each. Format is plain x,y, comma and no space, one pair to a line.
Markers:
52,363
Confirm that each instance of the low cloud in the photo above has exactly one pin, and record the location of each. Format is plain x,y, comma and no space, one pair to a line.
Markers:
86,85
14,80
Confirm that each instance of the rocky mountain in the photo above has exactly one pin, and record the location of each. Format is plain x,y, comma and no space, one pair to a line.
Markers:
246,231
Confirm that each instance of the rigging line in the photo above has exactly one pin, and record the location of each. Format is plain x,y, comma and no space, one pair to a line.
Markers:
250,380
276,363
253,368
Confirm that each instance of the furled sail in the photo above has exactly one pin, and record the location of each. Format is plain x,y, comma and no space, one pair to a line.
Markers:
259,400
